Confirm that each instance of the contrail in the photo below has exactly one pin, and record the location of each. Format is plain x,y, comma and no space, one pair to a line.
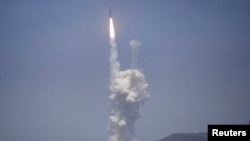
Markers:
128,91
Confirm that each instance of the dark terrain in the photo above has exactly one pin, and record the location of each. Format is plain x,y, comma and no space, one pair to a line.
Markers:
186,137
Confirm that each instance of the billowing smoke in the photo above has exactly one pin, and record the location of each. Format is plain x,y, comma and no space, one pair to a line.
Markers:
128,92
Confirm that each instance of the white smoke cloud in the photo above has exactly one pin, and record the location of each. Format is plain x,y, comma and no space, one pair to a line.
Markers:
134,44
128,92
129,85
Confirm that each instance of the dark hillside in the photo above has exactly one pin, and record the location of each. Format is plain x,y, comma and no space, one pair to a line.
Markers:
186,137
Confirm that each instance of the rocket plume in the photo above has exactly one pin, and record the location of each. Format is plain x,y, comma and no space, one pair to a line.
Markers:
128,91
111,29
114,64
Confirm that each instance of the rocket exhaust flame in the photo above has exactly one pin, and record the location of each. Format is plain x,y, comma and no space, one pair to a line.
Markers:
111,29
128,91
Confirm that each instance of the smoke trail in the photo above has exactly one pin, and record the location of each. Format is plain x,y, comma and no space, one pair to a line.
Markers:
128,92
114,64
134,44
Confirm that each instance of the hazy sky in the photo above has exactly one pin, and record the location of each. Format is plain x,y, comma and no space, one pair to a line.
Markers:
54,65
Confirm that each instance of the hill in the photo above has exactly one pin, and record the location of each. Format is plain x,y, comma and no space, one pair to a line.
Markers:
186,137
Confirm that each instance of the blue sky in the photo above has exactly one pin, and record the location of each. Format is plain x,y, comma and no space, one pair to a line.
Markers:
54,65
